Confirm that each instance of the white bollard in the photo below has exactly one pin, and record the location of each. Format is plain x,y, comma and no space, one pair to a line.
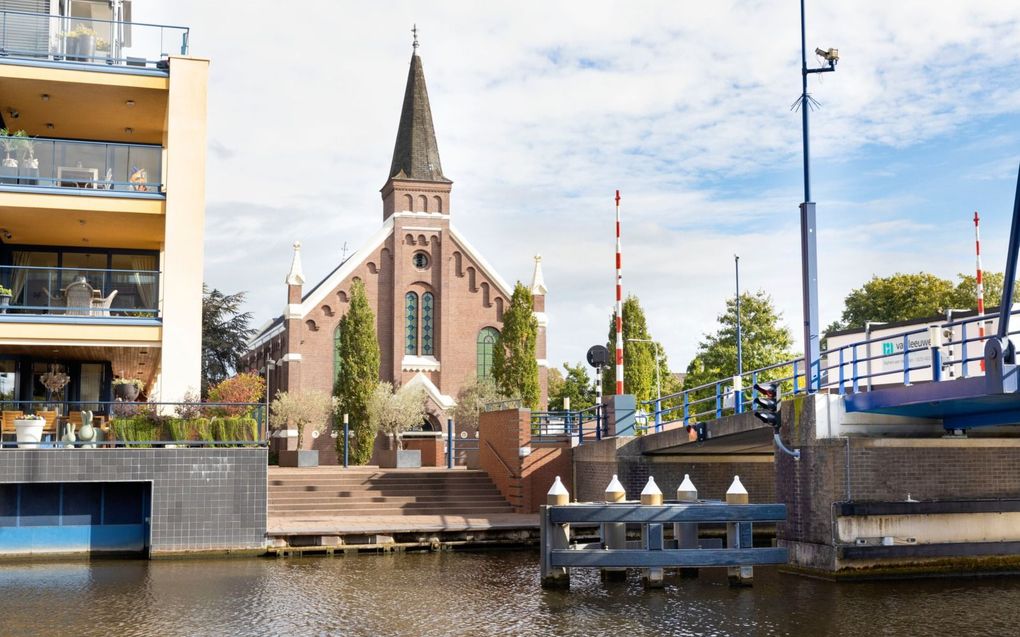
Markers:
686,533
651,534
614,534
557,536
738,575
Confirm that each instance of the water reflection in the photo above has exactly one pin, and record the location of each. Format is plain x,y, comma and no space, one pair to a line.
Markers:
471,594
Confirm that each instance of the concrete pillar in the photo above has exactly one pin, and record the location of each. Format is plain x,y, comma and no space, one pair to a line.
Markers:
686,533
738,535
651,534
557,536
614,535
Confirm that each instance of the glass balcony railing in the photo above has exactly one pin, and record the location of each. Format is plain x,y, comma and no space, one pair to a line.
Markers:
81,292
60,163
44,37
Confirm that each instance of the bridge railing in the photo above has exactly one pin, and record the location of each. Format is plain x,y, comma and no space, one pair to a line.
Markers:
907,357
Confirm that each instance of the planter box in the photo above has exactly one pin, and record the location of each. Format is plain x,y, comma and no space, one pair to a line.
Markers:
299,458
29,433
400,458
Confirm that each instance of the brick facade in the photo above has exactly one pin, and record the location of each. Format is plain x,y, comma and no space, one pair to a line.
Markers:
467,295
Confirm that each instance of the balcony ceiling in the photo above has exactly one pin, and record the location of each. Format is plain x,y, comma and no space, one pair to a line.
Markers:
129,362
84,111
99,229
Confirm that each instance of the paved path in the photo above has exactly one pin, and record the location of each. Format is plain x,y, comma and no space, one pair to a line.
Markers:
385,524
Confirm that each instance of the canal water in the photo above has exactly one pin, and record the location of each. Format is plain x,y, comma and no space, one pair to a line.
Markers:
471,594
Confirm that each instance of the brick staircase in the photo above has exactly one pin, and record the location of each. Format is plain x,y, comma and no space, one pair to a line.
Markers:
332,491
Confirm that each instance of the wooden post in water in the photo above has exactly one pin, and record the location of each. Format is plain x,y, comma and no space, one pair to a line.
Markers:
614,535
738,536
686,533
554,536
651,534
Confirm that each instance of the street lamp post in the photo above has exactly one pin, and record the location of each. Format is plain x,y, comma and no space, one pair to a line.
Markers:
808,233
658,383
740,347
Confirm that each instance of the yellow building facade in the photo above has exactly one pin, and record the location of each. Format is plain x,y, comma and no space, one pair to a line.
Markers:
102,205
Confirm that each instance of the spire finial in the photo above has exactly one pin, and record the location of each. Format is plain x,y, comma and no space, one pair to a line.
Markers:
297,275
537,280
414,32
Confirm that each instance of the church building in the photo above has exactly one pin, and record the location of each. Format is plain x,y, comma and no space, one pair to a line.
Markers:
438,303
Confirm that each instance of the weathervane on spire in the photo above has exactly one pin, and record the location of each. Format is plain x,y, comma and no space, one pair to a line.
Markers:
414,31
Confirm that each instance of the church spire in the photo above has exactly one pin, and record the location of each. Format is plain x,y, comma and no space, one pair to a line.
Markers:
416,182
416,153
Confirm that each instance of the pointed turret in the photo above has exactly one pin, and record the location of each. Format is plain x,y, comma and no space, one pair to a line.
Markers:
296,277
416,182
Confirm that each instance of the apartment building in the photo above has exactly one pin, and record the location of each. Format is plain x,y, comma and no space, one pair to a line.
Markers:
102,203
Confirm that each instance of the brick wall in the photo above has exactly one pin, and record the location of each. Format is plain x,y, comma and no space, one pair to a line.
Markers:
202,499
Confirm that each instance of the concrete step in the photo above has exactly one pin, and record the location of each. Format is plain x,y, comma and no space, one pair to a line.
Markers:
283,501
274,481
353,493
393,511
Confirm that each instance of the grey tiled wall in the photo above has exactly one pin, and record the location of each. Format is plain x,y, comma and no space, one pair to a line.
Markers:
202,499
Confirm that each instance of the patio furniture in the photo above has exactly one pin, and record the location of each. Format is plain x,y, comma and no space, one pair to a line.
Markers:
49,423
7,427
77,177
101,306
78,297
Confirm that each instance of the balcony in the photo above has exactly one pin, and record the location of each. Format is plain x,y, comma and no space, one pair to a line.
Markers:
115,45
90,168
78,295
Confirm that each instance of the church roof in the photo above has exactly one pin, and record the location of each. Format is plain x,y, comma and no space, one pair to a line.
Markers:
416,153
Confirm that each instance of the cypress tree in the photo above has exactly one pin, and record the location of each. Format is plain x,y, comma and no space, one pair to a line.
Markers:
358,353
514,366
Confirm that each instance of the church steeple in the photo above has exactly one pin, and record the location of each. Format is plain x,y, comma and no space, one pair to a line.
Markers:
416,182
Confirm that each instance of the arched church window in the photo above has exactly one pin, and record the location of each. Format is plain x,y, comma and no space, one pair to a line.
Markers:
336,353
426,324
487,338
411,323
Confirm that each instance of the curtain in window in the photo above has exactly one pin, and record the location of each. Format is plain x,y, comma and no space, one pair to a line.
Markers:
411,324
21,259
426,324
145,279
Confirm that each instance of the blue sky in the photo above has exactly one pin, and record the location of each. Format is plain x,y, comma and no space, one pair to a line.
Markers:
543,109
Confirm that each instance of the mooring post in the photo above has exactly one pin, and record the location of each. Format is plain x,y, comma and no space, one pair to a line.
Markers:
614,534
686,533
554,536
738,536
651,534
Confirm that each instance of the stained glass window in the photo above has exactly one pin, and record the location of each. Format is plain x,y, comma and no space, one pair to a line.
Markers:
426,324
411,323
486,345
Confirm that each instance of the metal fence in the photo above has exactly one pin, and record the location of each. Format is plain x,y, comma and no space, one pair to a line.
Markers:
93,167
82,292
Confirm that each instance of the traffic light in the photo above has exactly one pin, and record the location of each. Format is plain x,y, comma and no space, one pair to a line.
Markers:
766,404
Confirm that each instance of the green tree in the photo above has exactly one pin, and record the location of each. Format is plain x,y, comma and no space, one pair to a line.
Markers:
900,297
965,294
358,376
639,356
765,342
514,366
471,400
225,334
576,385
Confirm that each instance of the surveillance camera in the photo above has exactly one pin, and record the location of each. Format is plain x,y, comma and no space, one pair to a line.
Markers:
831,56
13,113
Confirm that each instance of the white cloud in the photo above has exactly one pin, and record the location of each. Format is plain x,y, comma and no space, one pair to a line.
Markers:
543,109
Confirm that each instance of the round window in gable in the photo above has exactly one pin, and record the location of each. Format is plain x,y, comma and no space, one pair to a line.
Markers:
420,260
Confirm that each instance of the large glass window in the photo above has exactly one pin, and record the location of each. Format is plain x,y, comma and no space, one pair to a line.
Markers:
486,346
8,383
411,324
426,324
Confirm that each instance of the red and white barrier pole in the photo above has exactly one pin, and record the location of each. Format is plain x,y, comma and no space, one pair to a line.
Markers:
980,286
619,304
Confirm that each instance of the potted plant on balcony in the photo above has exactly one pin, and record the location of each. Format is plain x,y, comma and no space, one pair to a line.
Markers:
10,144
29,430
81,43
5,299
308,410
393,413
28,163
126,389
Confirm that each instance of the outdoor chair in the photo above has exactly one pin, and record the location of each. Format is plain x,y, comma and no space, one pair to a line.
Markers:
7,423
78,297
49,423
101,306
